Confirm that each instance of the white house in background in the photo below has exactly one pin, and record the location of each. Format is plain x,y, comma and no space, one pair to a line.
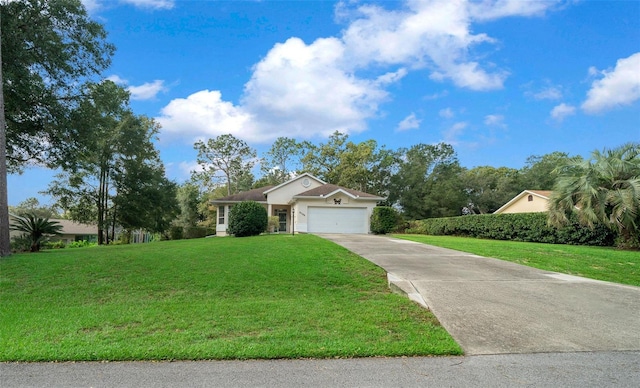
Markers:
306,204
529,201
71,231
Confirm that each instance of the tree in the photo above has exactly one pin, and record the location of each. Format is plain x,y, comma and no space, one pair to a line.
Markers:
5,234
189,198
248,218
603,189
282,161
225,159
428,183
36,228
119,159
323,160
32,206
540,172
54,48
488,188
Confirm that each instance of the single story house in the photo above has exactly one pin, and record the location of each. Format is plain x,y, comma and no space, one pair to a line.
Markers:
306,204
529,201
71,231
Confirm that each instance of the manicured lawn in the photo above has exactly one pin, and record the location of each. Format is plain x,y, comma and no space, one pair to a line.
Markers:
600,263
217,298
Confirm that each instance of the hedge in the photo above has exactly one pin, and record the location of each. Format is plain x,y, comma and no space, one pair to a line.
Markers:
384,220
529,227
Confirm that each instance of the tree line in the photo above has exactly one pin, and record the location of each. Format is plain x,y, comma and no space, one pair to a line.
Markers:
423,181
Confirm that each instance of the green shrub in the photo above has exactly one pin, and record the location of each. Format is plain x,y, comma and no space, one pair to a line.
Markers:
81,244
384,220
176,233
529,227
197,232
53,244
21,243
248,218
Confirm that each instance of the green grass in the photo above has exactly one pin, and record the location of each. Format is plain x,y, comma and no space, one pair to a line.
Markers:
600,263
217,298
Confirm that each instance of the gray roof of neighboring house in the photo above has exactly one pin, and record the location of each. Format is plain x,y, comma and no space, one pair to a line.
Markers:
72,227
251,195
329,188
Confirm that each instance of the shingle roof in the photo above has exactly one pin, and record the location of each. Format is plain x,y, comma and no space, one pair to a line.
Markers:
72,227
544,193
329,188
251,195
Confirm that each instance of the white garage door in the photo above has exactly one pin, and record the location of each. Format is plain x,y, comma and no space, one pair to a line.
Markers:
337,220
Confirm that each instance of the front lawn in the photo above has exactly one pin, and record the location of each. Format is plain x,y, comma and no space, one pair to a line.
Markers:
218,298
600,263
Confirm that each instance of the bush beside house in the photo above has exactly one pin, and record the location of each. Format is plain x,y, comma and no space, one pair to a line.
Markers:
248,218
384,220
529,227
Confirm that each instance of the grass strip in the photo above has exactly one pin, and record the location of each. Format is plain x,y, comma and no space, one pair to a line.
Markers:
601,263
262,297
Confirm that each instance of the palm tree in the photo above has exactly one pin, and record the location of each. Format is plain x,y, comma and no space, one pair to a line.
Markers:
603,189
36,228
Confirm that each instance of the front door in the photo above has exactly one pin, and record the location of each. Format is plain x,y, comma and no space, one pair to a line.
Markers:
282,220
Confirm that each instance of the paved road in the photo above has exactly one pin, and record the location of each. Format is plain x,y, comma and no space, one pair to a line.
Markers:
616,369
492,306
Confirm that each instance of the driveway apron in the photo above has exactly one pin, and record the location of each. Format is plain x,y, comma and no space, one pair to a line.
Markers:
492,306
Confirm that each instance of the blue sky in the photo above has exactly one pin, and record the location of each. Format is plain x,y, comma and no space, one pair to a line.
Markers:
499,80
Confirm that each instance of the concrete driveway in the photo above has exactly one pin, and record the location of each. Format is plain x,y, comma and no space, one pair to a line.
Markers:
492,306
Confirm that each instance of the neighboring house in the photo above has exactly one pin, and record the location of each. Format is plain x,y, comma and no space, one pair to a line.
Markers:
529,201
306,204
75,231
71,231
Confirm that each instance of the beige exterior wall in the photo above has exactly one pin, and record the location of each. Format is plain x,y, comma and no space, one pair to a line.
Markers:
523,205
282,195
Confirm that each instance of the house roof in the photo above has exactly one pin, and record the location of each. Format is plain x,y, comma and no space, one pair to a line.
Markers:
72,227
257,195
329,189
545,194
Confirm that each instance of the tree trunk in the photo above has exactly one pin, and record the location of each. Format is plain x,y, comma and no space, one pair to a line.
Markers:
5,239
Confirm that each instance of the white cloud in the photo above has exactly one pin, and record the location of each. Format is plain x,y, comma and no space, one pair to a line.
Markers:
117,79
548,93
446,113
454,132
153,4
562,111
618,87
409,122
94,5
491,10
306,90
494,121
433,34
147,91
91,5
204,114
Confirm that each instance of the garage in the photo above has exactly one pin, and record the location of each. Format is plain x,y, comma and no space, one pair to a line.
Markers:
337,220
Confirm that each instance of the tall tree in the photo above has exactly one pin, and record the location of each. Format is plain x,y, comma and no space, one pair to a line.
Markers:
603,189
119,149
428,182
282,161
488,188
225,159
32,206
189,198
541,172
5,234
53,48
323,160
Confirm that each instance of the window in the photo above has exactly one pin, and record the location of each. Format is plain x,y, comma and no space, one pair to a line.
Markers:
220,215
530,198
